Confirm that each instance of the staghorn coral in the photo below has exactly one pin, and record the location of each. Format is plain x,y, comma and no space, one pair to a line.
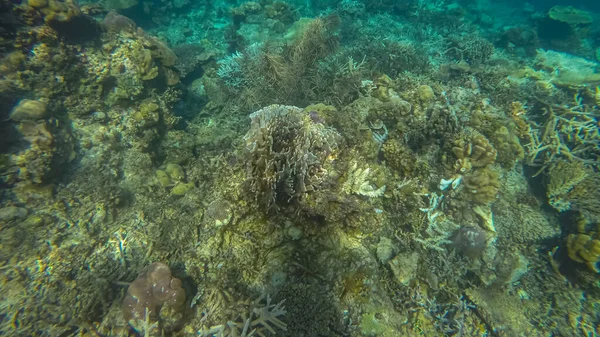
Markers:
569,132
262,319
287,154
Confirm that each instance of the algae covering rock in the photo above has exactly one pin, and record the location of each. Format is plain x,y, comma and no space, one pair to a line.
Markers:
28,110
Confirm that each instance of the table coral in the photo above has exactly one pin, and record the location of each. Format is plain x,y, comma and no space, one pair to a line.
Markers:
570,15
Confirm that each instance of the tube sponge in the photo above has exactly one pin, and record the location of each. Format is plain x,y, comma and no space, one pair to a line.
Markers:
150,291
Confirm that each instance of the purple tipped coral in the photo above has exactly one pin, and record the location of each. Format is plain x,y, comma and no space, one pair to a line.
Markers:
150,291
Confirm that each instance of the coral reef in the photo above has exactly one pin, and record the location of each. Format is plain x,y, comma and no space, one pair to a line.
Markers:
154,296
380,168
289,155
573,186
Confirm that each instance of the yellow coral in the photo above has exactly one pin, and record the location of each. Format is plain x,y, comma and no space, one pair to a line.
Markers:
584,248
472,152
482,185
517,113
357,182
399,157
508,147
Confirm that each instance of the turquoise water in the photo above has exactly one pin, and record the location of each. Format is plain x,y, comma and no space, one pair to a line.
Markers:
299,168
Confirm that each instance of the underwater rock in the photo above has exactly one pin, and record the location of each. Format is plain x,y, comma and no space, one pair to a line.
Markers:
404,266
121,4
12,212
28,109
471,241
115,23
385,249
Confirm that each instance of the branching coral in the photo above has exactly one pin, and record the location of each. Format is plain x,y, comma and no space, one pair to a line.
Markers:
563,177
473,49
288,154
573,186
261,319
568,132
439,227
357,182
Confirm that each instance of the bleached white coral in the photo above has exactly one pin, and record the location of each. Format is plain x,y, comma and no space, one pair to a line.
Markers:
261,319
439,228
357,183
